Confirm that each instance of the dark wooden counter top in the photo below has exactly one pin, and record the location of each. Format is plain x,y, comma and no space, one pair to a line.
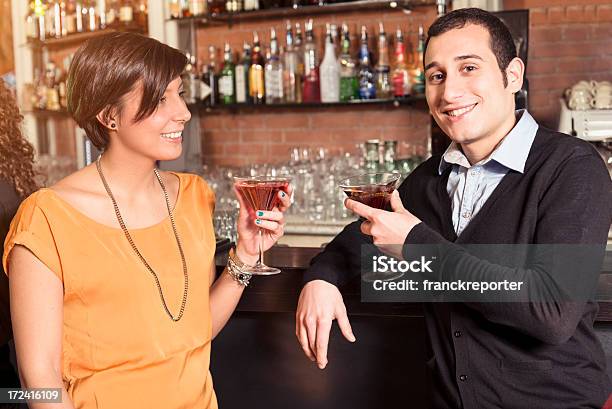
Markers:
280,293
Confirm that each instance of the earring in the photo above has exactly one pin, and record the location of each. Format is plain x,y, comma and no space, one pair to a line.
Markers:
113,125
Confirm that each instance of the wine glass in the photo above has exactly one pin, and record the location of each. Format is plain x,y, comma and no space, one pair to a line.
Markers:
261,193
374,190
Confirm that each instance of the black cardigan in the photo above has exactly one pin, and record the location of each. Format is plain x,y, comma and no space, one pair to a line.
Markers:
507,355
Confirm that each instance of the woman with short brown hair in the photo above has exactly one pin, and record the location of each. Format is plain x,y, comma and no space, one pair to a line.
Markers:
111,270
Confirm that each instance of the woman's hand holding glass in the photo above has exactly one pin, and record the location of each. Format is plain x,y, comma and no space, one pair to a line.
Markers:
251,220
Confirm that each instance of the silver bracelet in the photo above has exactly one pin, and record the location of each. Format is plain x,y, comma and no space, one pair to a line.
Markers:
235,269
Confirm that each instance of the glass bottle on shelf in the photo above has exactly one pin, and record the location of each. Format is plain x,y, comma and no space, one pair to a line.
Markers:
62,91
330,71
233,6
173,8
92,20
70,19
311,88
250,5
41,90
400,75
35,20
101,12
216,6
274,73
418,75
59,16
367,85
112,14
142,13
210,82
383,82
349,83
126,13
256,73
299,50
292,82
185,10
53,99
242,76
227,90
190,80
49,20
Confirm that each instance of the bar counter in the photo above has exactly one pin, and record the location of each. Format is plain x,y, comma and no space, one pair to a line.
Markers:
258,363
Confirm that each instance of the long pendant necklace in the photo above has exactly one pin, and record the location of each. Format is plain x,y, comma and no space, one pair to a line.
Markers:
129,238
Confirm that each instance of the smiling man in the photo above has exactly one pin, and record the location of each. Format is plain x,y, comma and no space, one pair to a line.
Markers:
503,180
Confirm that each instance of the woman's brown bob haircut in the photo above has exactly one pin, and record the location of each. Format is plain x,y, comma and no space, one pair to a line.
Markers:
106,68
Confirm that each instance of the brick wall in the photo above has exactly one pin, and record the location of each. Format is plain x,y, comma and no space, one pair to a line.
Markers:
569,41
266,135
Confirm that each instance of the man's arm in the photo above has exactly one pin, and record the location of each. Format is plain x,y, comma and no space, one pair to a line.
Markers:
574,210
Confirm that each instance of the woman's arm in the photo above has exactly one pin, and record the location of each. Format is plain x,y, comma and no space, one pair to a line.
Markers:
36,296
225,292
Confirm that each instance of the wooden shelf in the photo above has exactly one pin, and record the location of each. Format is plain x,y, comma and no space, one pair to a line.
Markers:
47,113
288,13
78,38
398,102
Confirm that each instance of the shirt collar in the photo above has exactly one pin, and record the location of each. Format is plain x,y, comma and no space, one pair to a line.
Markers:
512,152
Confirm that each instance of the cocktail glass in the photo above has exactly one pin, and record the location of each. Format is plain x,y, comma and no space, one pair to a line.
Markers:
374,190
261,193
371,189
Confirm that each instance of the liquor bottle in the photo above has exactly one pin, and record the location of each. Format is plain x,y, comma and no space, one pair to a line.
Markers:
274,73
330,71
349,83
53,99
185,11
242,75
349,80
49,20
227,90
92,17
142,12
31,22
173,8
367,83
250,5
36,18
299,50
216,6
80,24
126,13
400,75
209,83
112,14
59,16
383,82
101,12
70,19
418,75
190,80
311,89
256,73
292,80
233,6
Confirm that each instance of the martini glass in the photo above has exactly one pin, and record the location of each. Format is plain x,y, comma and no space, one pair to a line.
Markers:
261,193
371,189
374,190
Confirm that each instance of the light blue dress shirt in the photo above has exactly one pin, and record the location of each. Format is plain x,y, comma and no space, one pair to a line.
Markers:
469,186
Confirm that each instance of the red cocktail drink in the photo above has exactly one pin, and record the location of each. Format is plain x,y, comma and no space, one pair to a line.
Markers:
371,189
261,193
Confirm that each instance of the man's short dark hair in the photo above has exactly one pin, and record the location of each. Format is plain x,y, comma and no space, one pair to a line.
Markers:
501,44
106,68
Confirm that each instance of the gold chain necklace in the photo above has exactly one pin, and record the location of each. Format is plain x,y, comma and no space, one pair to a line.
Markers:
129,238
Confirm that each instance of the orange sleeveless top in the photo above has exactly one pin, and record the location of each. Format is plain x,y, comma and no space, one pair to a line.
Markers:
120,349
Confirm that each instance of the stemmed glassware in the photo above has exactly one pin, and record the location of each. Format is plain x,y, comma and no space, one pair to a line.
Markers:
374,190
261,193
